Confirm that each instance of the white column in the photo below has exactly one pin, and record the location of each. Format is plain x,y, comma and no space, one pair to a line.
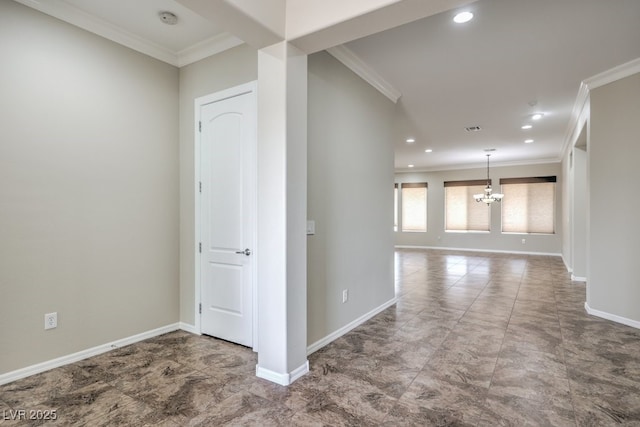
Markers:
282,206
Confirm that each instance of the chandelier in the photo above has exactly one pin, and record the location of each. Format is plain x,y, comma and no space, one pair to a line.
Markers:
488,197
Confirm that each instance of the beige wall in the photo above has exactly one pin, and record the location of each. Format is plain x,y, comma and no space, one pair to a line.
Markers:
613,171
225,70
350,176
88,189
494,240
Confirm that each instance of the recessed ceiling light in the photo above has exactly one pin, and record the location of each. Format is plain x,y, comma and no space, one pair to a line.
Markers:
528,141
428,150
410,166
463,17
411,140
537,116
525,127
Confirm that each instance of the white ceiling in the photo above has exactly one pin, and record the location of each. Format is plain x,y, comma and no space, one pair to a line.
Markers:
136,24
486,73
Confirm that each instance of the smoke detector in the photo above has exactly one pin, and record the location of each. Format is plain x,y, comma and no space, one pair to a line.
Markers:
168,18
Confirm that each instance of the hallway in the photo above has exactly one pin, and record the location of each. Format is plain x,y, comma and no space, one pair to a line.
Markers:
475,339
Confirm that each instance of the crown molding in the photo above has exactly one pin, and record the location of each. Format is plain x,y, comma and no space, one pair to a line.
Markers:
365,71
579,113
74,16
207,48
478,166
616,73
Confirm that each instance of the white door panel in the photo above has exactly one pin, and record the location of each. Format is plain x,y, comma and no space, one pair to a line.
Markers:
227,172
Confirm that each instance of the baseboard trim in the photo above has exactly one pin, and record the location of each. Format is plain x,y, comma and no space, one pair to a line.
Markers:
578,278
566,265
189,328
497,251
612,317
347,328
83,354
282,379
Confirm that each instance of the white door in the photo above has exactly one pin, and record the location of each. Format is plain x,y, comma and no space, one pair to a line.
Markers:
227,216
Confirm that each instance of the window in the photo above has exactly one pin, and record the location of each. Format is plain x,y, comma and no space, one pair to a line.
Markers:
395,207
414,207
529,205
462,212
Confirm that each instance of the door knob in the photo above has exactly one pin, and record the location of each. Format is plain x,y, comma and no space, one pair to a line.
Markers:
246,252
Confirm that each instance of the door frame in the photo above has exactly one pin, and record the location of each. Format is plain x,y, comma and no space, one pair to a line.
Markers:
251,87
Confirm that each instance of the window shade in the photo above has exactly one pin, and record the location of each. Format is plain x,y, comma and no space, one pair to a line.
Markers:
414,207
395,207
529,205
462,212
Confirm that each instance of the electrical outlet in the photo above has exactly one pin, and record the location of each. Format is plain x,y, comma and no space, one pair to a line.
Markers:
524,241
51,320
345,296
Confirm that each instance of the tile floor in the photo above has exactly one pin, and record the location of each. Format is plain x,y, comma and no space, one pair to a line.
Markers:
475,339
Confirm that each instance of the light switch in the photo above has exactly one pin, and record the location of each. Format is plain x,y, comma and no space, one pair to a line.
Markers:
311,228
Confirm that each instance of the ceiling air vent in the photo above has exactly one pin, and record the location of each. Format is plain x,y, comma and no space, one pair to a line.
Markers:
473,128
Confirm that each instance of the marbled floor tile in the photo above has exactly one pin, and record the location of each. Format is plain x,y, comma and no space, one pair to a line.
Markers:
604,360
217,356
119,362
483,340
527,325
159,370
295,396
528,295
186,397
407,413
411,355
601,380
178,393
513,357
244,409
351,400
492,306
389,376
395,316
496,291
437,311
468,369
408,306
534,341
436,392
354,344
425,331
390,379
463,292
97,405
378,329
539,386
542,309
497,320
613,409
27,392
306,420
517,412
456,303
